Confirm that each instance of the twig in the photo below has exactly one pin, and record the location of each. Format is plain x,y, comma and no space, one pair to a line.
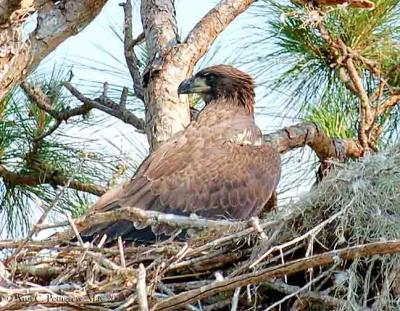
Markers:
237,235
219,257
50,131
383,248
100,259
121,252
366,117
138,40
235,299
153,217
305,287
327,300
102,241
124,97
48,177
127,303
108,106
256,224
388,104
141,290
76,232
169,292
43,102
311,232
130,56
177,258
42,218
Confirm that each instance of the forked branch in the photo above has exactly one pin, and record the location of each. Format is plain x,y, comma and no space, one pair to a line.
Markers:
107,105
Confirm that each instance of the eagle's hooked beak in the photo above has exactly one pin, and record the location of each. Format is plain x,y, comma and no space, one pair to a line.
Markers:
193,85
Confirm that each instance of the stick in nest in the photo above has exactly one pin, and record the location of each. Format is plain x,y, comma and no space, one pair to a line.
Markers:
141,290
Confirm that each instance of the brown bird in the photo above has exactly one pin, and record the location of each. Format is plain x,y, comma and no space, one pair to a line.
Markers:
216,168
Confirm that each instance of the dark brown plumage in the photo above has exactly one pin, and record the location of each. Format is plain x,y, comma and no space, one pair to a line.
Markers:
216,168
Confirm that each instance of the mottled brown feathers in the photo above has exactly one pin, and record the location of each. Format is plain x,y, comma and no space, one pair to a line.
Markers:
216,168
232,84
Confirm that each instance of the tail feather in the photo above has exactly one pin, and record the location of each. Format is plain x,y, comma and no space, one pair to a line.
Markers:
127,231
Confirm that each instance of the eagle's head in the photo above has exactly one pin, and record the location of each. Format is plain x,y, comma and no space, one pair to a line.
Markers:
221,81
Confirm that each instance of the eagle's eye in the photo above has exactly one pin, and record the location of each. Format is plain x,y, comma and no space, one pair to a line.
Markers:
209,77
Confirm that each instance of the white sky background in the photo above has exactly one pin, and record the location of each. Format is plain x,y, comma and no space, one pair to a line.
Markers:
84,54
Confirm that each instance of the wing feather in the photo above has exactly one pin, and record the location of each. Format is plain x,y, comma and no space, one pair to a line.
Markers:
207,176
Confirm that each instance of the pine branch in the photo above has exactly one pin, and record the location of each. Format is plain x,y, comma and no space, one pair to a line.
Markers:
209,27
53,178
36,94
366,117
310,134
345,57
391,102
107,105
43,102
360,4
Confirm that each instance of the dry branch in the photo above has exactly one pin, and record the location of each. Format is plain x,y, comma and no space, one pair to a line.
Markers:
366,117
37,96
209,27
151,218
130,56
141,289
386,247
48,177
312,135
298,239
107,105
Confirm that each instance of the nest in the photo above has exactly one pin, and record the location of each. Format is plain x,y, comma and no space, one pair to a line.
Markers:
336,249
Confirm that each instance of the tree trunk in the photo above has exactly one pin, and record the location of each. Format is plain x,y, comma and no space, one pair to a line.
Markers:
166,113
171,61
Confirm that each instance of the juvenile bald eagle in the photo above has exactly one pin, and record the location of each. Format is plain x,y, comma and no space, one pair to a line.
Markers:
216,168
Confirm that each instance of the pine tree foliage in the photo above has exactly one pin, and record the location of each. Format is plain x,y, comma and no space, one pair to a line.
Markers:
303,67
38,168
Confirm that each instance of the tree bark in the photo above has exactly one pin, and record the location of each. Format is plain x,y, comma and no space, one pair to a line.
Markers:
171,61
310,134
56,21
166,113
